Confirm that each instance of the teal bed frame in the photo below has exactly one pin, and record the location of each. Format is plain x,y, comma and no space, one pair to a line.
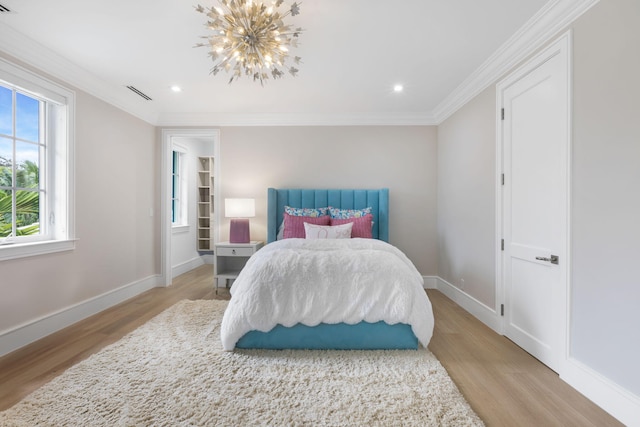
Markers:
378,200
340,336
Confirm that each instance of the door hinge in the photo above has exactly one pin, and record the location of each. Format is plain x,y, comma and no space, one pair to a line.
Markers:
502,244
502,114
501,309
502,179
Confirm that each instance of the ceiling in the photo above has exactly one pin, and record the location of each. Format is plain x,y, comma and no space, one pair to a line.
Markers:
353,52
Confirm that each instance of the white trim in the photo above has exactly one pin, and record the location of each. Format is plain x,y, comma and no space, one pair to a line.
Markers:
551,19
569,174
166,269
561,46
430,282
33,83
187,266
499,288
23,250
59,167
622,404
617,401
296,119
179,229
27,333
179,148
182,224
35,54
479,310
540,29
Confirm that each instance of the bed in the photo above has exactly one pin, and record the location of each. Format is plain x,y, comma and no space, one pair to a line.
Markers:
346,294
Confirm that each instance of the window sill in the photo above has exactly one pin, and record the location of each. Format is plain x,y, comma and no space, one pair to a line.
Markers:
176,229
22,250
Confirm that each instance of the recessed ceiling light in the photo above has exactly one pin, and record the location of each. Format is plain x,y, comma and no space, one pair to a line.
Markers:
176,88
398,88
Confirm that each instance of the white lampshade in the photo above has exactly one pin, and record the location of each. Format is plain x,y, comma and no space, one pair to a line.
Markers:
239,208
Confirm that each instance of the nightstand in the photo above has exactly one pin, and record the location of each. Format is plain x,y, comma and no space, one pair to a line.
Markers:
230,258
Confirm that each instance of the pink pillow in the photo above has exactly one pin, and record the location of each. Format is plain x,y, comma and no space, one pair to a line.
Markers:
361,226
294,225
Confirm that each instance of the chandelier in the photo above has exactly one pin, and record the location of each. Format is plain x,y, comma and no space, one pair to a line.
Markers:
251,38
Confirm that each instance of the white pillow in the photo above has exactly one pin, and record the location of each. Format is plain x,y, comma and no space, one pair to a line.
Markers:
312,231
280,234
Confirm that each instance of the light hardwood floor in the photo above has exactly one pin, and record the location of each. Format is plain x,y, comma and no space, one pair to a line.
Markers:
503,384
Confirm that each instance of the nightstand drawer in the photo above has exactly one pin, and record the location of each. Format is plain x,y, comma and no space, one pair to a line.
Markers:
235,251
230,259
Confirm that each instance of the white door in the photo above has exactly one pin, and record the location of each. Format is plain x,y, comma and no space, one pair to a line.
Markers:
535,147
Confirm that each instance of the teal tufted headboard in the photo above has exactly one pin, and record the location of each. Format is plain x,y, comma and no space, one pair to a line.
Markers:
278,198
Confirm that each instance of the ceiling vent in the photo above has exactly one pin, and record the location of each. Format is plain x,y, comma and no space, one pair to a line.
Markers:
4,9
139,93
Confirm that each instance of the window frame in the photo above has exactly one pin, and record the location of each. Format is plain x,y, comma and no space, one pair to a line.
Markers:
182,223
41,143
59,217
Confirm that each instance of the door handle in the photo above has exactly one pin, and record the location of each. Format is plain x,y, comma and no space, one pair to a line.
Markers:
553,259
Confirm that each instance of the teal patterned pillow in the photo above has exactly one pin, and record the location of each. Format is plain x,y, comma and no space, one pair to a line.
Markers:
348,213
311,212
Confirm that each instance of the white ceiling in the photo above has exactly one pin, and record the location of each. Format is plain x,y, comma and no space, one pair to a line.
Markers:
353,52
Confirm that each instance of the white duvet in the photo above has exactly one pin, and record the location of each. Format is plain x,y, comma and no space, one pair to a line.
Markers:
326,281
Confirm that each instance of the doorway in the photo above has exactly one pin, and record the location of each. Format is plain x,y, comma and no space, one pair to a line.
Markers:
198,143
533,203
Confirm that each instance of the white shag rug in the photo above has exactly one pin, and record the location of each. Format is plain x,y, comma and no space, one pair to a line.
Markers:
172,371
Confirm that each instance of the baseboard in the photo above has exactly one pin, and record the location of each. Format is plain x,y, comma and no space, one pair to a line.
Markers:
620,403
186,266
430,282
485,314
32,331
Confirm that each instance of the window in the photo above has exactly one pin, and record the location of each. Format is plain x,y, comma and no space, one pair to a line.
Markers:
21,148
179,215
35,159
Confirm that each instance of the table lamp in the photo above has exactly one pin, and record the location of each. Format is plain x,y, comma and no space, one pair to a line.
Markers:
239,210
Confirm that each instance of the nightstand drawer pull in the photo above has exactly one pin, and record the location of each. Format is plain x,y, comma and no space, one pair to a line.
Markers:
235,251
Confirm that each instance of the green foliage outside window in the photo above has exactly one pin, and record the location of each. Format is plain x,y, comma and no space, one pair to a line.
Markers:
27,200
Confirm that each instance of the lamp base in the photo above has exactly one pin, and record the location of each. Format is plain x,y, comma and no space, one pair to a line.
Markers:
239,231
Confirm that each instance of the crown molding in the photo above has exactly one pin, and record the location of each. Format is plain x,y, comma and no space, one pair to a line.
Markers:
33,54
547,23
296,119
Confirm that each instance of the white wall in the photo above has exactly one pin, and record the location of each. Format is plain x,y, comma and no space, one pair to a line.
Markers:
116,186
402,158
605,230
605,331
466,199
